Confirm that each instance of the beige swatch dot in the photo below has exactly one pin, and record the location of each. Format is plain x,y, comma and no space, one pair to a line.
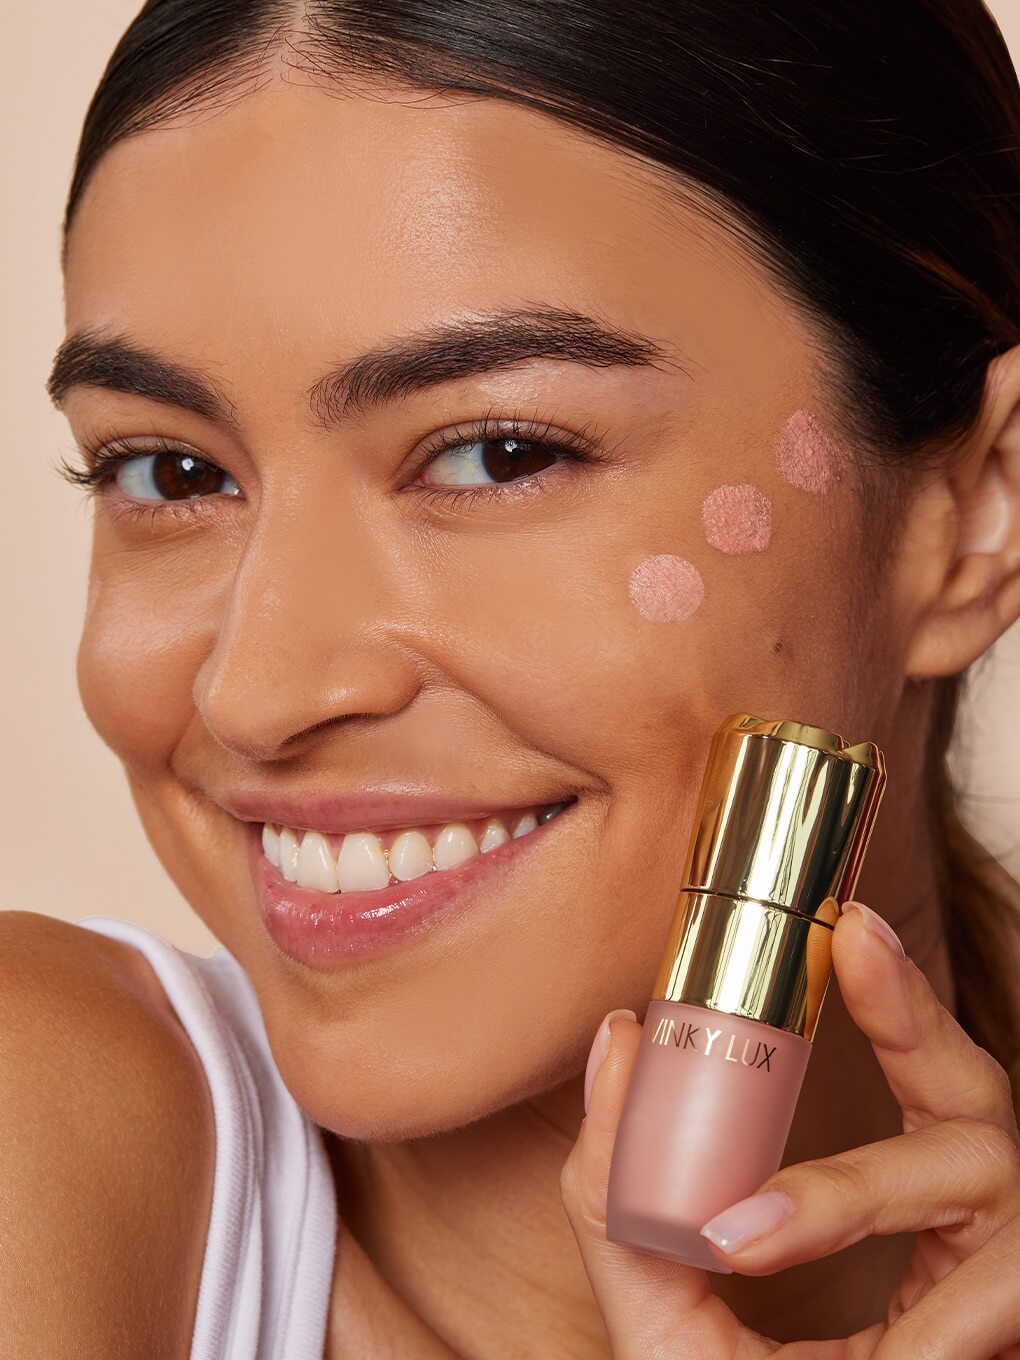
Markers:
666,588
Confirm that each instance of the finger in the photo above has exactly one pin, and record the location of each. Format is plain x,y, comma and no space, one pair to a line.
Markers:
960,1176
649,1304
971,1314
934,1068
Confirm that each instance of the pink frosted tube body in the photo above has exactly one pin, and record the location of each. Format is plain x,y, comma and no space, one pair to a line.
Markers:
705,1121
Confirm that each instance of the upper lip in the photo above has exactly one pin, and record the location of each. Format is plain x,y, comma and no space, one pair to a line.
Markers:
365,809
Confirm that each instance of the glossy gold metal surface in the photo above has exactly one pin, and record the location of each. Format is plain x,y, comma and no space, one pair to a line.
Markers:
748,958
784,814
784,818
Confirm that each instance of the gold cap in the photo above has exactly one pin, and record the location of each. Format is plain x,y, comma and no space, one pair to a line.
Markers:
784,818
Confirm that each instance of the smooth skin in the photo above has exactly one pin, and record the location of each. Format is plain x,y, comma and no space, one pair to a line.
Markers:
106,1151
331,628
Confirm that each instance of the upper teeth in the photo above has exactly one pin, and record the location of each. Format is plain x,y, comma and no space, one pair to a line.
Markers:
362,861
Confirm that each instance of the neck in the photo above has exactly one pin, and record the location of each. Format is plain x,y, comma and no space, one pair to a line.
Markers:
468,1232
463,1233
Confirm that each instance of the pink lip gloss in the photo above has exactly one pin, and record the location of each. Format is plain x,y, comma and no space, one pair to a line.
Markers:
783,821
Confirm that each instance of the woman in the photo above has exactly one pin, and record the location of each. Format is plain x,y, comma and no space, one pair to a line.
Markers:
481,403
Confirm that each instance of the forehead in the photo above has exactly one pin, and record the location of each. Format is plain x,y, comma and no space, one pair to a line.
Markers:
297,217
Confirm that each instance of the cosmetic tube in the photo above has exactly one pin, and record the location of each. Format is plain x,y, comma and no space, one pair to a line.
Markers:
782,824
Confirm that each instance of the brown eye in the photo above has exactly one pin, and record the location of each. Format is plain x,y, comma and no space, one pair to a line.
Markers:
489,461
173,477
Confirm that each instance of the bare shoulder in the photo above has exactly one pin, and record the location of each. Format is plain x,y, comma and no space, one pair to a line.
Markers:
106,1151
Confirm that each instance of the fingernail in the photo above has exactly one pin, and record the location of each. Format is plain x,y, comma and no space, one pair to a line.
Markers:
750,1218
879,926
599,1049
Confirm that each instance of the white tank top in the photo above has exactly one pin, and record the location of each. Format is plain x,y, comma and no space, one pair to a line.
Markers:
269,1253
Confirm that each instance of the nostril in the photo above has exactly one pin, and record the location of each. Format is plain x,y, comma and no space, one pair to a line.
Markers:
279,670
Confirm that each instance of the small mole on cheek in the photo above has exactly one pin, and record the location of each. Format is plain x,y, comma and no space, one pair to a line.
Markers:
666,588
805,454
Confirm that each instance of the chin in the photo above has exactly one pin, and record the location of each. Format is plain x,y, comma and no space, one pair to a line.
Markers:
397,1110
380,1095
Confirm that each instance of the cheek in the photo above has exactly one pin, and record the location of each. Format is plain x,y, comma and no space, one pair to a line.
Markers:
551,655
665,588
616,663
137,658
737,519
806,457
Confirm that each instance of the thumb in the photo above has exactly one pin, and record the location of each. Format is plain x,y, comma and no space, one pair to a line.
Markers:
649,1303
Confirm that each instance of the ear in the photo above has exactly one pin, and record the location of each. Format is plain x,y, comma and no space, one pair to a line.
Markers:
961,538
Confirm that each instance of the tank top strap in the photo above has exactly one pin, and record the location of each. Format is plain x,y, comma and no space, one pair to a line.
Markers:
268,1265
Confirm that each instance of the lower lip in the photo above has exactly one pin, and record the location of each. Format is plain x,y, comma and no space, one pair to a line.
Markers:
316,927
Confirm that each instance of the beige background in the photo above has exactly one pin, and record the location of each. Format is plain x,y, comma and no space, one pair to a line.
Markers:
70,840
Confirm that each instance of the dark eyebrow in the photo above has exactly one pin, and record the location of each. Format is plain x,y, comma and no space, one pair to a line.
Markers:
96,357
392,370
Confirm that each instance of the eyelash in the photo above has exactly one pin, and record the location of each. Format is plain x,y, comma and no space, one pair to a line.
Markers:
584,447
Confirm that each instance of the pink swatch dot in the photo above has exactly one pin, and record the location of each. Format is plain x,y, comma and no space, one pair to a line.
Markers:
737,518
665,588
806,455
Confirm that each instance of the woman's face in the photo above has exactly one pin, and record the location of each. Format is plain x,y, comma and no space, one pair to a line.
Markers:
326,615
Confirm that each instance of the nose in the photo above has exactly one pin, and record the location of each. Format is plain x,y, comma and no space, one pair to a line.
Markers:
302,638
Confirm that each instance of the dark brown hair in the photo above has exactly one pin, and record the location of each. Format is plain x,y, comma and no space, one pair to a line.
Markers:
867,153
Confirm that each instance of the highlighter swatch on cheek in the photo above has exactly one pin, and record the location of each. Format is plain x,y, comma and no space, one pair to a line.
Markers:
737,518
805,454
665,588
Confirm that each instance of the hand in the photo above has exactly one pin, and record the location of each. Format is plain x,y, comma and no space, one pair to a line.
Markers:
952,1176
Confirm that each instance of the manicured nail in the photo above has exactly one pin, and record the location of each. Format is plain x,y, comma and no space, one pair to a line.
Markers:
599,1049
879,926
750,1218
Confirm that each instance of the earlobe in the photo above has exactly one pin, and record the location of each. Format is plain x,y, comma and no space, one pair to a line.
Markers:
978,595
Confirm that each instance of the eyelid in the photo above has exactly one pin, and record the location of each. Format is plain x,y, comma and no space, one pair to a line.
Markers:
587,445
104,456
570,447
587,441
584,446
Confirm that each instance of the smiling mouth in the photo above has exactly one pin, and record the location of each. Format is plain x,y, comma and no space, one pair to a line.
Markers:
366,861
